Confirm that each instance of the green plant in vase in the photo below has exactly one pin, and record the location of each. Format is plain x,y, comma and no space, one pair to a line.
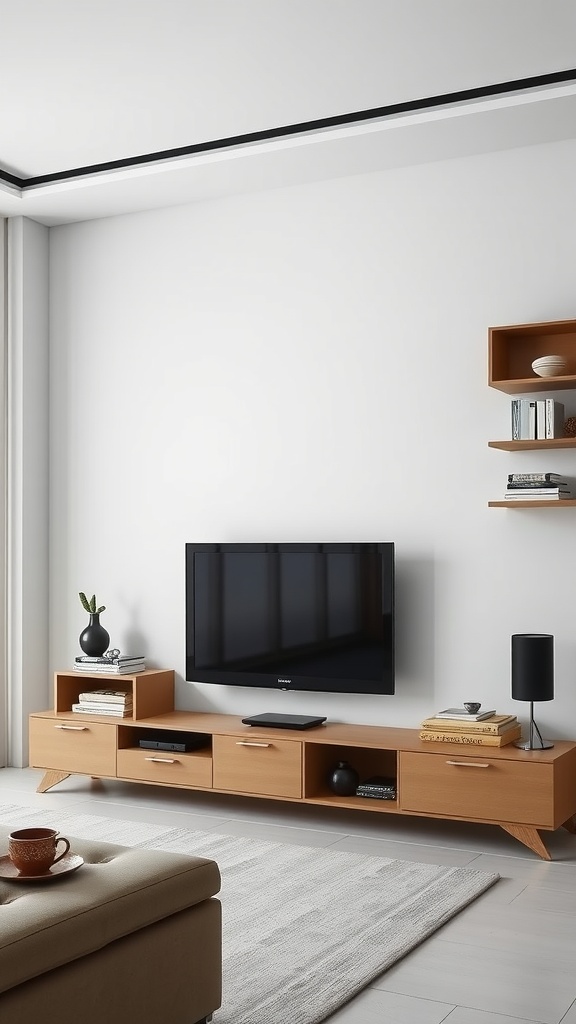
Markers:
90,605
94,640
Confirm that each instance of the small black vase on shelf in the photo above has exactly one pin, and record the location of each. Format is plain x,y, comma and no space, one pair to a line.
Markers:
343,779
94,640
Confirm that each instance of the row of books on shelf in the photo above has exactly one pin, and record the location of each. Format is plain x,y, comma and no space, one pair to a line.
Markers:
536,419
123,664
117,703
486,729
537,487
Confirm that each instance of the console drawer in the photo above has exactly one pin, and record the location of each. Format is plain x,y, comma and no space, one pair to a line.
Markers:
88,748
262,766
169,767
477,787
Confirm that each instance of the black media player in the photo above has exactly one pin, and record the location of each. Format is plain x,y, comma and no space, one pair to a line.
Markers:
284,721
178,742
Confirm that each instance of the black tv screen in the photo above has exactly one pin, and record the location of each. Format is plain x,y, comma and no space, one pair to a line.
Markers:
291,616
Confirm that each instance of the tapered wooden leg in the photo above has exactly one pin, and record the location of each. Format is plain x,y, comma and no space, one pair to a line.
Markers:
570,824
530,837
51,778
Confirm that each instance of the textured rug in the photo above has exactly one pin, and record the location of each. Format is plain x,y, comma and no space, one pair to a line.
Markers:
304,929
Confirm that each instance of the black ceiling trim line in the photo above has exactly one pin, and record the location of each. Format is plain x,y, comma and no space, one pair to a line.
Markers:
410,106
11,179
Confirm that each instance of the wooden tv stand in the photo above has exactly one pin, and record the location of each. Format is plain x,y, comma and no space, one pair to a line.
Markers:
524,792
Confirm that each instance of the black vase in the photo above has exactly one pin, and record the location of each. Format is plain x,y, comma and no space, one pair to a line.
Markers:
344,779
95,639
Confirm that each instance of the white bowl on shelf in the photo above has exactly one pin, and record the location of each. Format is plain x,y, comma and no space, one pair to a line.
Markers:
550,366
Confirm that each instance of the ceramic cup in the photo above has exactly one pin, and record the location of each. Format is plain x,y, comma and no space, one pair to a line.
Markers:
33,850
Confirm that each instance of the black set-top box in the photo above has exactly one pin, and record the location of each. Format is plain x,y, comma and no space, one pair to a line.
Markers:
182,742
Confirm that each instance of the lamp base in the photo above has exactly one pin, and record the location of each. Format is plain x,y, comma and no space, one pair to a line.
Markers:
539,745
534,741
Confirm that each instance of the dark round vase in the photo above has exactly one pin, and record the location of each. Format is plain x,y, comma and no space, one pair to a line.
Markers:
344,779
95,639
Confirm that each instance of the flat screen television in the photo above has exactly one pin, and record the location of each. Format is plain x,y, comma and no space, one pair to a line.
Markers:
291,616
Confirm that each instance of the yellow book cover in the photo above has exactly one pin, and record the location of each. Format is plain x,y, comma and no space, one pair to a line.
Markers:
490,726
471,739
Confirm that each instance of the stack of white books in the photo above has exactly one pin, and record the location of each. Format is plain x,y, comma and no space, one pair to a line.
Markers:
121,664
537,487
117,703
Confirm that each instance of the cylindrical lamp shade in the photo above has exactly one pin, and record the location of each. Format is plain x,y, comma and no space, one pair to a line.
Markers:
532,666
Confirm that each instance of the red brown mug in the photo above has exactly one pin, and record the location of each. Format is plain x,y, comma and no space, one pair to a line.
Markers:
33,850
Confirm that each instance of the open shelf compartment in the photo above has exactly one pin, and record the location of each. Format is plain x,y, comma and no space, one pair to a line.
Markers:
512,350
320,760
130,734
69,685
152,691
190,768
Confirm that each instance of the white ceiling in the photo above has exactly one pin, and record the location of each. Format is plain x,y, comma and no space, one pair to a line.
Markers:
85,82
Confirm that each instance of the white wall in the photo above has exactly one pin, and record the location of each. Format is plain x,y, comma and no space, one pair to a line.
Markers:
311,364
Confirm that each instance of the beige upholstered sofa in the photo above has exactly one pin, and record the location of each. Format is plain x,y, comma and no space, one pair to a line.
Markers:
132,937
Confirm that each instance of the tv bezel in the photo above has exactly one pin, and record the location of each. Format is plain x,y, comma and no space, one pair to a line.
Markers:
268,680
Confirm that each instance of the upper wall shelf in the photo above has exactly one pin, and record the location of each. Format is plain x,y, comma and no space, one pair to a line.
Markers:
533,445
512,351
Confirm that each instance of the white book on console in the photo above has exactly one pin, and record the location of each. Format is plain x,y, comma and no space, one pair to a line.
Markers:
108,696
110,670
121,659
115,710
460,714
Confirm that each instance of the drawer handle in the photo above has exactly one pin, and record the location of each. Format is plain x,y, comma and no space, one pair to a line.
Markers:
251,743
469,764
72,728
163,760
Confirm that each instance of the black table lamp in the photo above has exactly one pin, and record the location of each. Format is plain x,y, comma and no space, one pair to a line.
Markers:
533,679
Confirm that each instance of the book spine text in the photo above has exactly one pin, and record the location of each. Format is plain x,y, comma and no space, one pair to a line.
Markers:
469,739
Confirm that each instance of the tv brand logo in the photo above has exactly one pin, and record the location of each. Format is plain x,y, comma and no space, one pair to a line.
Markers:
284,680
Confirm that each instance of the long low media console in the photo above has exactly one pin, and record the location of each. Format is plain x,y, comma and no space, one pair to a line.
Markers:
524,792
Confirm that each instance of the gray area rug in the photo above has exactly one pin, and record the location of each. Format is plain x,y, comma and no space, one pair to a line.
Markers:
304,929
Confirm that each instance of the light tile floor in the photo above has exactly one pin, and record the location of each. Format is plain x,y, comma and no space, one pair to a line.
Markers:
509,958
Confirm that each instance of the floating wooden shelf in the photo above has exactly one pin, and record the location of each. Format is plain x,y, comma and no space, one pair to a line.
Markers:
532,445
528,385
531,503
513,349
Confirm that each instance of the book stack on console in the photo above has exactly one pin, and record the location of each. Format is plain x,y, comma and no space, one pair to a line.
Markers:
117,665
537,487
456,725
104,702
379,787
